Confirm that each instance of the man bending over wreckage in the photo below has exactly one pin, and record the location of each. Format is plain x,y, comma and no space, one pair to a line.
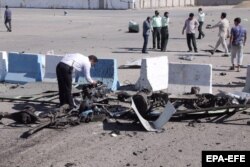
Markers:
64,70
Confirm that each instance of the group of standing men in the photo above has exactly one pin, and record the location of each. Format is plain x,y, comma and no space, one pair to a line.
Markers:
159,27
238,34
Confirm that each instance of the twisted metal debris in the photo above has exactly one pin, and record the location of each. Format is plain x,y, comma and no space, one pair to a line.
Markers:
98,103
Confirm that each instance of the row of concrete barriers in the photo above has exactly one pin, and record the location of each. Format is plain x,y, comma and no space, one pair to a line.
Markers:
24,67
180,77
156,72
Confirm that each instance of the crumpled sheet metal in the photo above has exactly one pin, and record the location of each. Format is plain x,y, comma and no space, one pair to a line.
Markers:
156,125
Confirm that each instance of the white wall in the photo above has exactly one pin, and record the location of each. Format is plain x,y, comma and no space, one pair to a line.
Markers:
112,4
163,3
75,4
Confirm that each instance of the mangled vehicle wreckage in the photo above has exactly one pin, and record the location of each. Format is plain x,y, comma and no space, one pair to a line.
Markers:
151,109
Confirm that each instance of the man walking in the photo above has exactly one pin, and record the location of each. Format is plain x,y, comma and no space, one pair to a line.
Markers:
238,39
164,32
7,18
64,71
201,19
146,32
156,24
190,25
223,25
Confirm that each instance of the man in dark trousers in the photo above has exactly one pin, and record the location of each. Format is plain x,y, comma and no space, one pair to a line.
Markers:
7,18
201,19
164,32
156,24
190,25
146,32
64,70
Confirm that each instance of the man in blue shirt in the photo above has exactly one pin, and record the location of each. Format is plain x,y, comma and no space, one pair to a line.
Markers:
146,32
238,39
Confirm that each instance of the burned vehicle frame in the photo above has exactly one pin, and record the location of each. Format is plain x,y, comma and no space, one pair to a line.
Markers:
95,103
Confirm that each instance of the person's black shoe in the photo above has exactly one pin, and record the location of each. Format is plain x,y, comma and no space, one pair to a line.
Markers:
189,51
196,51
145,52
212,52
199,38
225,55
203,35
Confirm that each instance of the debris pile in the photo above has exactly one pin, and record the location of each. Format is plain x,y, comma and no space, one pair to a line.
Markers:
151,109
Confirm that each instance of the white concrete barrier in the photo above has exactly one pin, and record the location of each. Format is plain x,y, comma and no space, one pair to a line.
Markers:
184,76
3,65
154,74
247,85
51,62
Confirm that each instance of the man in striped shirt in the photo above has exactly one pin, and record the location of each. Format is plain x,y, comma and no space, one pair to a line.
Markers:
190,25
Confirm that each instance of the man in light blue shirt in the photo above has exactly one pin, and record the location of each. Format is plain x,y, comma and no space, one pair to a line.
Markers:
156,24
238,39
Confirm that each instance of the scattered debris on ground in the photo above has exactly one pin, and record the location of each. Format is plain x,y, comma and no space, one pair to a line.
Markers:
151,109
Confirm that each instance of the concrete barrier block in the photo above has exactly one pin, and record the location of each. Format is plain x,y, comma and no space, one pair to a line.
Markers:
154,74
105,70
184,76
247,85
23,68
51,62
3,65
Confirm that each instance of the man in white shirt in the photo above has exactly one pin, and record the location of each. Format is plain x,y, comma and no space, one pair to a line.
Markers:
64,71
223,25
190,25
201,19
